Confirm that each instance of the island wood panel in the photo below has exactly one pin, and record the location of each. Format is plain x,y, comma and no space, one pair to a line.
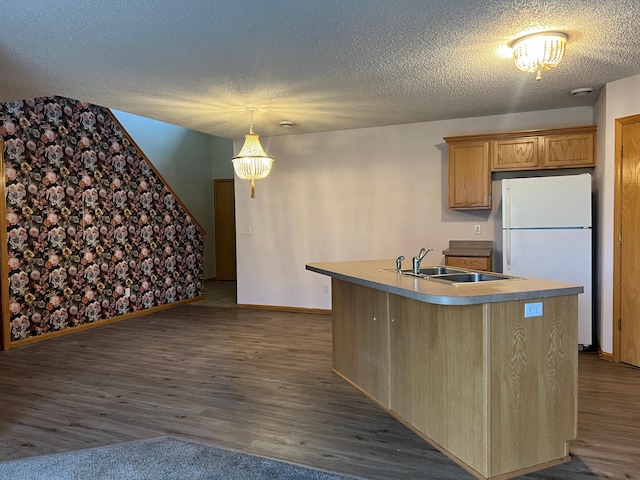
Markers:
361,338
439,376
534,376
493,390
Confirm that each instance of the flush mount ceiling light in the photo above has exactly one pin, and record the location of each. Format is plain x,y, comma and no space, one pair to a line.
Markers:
539,52
251,162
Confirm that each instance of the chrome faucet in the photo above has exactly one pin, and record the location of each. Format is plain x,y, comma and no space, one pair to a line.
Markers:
399,263
418,259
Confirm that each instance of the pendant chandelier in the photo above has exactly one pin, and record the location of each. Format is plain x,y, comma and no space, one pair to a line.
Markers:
539,52
251,162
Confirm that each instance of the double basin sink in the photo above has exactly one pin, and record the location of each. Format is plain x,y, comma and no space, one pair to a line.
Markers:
452,275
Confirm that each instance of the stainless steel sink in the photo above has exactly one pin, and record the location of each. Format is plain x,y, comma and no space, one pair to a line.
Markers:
451,275
429,271
470,277
426,271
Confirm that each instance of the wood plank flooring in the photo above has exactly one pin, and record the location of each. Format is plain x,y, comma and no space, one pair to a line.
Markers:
260,381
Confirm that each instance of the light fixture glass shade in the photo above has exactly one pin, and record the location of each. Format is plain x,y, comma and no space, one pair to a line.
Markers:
539,52
252,162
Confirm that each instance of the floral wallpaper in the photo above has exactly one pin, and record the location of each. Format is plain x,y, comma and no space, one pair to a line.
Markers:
92,230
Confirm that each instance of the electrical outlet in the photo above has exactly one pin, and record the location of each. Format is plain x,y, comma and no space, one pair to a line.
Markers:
325,288
477,229
245,230
127,292
533,309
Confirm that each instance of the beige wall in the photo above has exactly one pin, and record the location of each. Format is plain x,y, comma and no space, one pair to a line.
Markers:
370,193
221,153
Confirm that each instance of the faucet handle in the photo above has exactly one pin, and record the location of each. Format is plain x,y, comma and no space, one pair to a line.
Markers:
423,253
399,263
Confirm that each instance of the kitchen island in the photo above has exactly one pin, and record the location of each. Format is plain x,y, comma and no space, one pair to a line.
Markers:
486,372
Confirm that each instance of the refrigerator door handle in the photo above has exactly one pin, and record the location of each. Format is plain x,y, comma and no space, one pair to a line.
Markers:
507,209
507,234
507,223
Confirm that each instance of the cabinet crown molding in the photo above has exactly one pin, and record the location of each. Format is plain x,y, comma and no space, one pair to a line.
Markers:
522,133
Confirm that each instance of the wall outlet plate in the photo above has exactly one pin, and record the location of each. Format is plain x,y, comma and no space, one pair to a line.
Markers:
533,309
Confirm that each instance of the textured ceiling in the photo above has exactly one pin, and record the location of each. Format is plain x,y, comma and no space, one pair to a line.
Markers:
324,64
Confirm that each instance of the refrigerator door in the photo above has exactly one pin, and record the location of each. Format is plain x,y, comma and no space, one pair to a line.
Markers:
547,202
562,255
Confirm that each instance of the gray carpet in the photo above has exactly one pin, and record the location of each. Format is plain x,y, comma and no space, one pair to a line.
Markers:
164,458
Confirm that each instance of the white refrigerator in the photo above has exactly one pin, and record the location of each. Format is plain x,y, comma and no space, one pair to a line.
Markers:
546,234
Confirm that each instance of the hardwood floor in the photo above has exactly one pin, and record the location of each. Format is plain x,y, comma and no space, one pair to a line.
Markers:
221,293
259,381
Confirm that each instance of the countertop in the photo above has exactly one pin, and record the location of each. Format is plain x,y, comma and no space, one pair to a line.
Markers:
469,248
369,273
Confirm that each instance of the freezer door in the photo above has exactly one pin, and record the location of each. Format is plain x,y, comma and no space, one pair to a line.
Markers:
547,202
555,254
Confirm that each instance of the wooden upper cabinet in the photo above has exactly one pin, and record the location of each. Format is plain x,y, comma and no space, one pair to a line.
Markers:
544,149
569,150
469,175
472,158
515,154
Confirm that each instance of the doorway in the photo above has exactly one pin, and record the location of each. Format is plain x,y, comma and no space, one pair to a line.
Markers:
224,212
626,288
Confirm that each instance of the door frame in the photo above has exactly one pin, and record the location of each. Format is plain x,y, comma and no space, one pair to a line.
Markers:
617,232
5,316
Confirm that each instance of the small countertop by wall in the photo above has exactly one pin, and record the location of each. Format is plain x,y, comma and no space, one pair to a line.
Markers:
371,273
469,248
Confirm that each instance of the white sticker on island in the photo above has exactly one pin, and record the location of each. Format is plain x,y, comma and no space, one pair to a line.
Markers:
533,309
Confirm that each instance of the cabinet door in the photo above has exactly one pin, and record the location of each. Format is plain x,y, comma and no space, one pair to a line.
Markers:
438,374
515,154
361,338
571,150
469,175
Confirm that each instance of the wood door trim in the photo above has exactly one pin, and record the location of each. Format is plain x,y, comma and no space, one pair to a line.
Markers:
617,231
5,333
